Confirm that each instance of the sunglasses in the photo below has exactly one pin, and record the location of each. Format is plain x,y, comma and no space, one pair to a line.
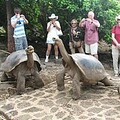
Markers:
73,23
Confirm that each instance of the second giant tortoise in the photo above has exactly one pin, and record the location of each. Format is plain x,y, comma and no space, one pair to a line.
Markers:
22,65
81,68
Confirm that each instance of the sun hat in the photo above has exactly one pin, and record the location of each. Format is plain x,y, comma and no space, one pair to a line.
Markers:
118,17
53,16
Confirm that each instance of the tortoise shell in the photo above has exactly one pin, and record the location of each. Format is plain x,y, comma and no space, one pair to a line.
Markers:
90,66
16,58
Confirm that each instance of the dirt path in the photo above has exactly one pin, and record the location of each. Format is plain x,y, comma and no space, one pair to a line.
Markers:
96,103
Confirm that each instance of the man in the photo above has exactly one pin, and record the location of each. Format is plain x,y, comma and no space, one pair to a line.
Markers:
116,46
91,34
17,22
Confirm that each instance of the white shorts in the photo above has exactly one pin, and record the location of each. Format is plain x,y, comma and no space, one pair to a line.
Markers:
92,49
50,41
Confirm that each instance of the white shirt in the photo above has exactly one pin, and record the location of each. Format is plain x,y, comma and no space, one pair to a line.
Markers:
53,33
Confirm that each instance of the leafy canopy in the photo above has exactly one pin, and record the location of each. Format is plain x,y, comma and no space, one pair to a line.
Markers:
37,12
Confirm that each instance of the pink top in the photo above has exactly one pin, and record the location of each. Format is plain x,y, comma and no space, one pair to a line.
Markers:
116,31
91,32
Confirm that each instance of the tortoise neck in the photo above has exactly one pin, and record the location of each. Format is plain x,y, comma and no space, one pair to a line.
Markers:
64,53
30,61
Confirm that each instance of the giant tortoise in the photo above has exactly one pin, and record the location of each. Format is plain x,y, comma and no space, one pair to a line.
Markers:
22,65
81,68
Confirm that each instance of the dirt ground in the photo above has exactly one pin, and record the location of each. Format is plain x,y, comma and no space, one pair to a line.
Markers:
48,74
50,69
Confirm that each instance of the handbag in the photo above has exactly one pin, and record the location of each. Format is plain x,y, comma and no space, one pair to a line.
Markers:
59,32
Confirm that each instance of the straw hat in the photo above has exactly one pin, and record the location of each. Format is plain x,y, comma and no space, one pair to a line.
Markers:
53,16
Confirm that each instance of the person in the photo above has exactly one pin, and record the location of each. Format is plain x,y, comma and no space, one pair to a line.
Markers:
54,30
91,34
75,37
17,22
116,46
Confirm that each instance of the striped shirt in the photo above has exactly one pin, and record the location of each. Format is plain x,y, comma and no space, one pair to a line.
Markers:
19,30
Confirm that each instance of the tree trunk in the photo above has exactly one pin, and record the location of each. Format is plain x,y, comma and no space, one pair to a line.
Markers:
10,40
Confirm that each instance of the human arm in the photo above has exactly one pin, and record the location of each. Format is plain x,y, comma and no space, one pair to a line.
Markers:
114,36
57,25
96,23
48,26
82,23
25,20
14,20
115,41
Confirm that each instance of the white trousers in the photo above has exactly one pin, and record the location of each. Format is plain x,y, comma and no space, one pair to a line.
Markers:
116,62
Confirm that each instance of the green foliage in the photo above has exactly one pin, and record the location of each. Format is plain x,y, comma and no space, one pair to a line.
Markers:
3,18
38,11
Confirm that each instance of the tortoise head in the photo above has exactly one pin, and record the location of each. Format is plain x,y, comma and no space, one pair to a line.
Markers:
57,40
29,49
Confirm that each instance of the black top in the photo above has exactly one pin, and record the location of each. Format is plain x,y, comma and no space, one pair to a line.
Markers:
78,37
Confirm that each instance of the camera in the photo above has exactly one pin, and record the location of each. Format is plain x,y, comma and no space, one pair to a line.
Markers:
18,22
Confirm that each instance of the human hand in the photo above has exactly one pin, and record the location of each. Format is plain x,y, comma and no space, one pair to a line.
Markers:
75,33
83,20
54,24
90,20
118,45
22,16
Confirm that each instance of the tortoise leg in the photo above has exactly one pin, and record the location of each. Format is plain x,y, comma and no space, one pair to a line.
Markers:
118,90
4,77
20,83
76,87
37,80
3,114
107,82
60,80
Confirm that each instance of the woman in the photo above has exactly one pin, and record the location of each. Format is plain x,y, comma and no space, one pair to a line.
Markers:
116,46
75,37
54,30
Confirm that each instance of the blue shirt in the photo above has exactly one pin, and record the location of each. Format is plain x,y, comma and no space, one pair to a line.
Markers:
19,30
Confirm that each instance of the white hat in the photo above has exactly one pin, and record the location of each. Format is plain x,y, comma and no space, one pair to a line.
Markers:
53,16
118,17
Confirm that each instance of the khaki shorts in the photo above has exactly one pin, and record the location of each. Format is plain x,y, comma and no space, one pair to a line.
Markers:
92,49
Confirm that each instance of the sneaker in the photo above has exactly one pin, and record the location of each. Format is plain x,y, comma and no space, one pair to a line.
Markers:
56,57
46,60
116,75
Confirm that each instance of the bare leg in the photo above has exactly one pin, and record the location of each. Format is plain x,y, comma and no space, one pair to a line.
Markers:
80,47
48,52
60,80
56,50
48,49
72,49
